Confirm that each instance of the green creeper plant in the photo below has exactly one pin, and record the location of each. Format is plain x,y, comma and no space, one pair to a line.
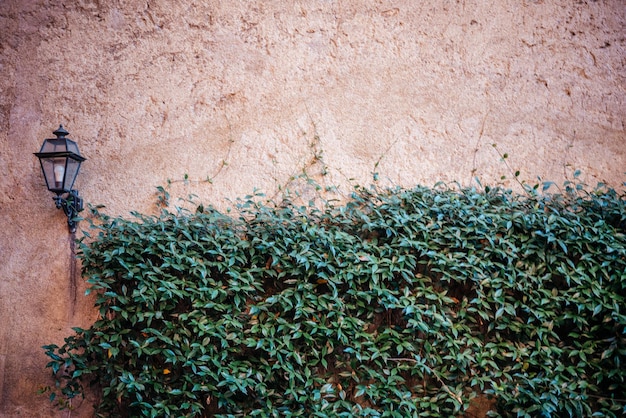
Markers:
397,303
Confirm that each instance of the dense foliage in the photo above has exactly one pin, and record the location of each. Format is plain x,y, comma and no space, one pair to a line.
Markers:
399,303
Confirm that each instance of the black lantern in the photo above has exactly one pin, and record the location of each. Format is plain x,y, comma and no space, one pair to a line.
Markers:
60,161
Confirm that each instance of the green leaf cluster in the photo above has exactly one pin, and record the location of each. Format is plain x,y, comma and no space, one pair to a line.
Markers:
397,303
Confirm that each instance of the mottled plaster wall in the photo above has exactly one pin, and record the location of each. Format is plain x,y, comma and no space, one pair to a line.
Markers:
248,93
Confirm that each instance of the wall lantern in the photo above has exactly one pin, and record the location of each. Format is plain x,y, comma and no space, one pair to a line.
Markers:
60,161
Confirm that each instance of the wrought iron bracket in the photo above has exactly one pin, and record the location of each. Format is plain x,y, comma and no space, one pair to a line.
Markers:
71,204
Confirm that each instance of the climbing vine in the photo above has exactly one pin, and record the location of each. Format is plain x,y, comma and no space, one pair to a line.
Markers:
396,303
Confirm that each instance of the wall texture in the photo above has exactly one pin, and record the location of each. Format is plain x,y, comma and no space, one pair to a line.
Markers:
250,93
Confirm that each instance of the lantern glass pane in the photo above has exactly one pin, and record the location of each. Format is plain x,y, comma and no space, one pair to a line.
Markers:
56,173
48,167
53,145
71,171
72,147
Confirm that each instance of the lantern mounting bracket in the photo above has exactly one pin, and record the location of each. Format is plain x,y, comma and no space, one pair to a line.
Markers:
71,205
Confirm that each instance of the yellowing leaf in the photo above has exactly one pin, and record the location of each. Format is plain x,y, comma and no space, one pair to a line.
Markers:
166,371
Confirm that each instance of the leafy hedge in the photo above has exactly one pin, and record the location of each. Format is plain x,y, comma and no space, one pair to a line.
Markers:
399,303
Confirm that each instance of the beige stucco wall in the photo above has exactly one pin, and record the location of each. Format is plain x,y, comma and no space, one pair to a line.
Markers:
249,93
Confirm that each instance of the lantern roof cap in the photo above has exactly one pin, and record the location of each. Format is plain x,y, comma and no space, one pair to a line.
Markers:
60,146
61,132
